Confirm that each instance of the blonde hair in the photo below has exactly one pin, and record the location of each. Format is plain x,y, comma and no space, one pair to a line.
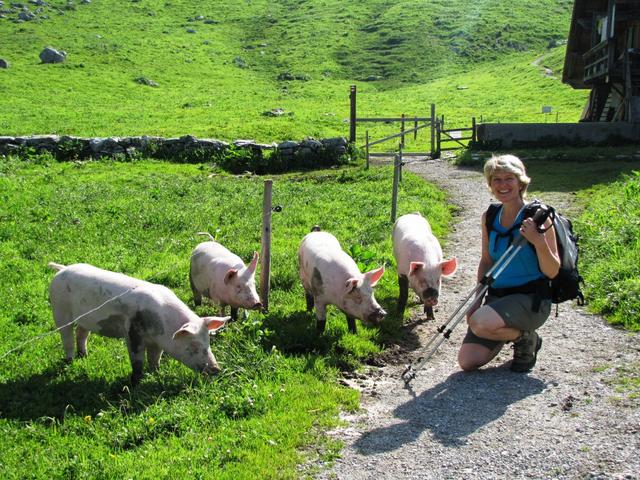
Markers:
510,164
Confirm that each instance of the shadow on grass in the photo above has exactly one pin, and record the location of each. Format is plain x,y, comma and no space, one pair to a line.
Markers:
52,394
452,410
295,333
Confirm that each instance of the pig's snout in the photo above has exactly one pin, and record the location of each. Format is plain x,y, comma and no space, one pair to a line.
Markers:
430,297
210,368
257,306
377,315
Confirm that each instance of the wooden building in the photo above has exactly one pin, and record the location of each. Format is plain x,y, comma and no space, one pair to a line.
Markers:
603,55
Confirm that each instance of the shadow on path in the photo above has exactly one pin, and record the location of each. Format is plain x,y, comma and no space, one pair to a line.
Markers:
453,409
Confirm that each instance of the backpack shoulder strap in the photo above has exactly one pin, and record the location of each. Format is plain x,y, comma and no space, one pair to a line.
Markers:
490,215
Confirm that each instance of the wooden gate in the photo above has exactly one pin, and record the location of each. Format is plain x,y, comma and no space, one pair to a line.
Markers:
454,137
419,123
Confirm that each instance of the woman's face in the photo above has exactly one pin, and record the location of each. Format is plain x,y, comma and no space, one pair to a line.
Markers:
505,186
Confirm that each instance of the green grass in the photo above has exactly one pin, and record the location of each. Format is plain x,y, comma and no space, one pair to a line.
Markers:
611,229
218,81
277,392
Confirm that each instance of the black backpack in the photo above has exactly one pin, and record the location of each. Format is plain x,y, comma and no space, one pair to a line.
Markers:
566,285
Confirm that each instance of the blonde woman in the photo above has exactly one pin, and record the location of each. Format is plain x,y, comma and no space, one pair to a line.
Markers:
519,300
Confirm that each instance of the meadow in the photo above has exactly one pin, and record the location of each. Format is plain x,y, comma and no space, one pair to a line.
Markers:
277,391
489,60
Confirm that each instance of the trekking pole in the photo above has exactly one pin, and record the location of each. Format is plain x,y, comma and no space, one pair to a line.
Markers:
442,332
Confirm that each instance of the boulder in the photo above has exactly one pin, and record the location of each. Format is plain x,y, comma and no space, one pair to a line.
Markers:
51,55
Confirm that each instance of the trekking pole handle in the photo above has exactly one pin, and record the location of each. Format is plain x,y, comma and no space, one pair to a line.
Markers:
541,216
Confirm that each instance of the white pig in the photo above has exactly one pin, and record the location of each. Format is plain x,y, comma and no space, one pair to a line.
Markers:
148,316
419,259
220,275
330,276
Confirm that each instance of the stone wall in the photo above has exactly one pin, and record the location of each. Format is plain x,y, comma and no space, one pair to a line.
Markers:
186,148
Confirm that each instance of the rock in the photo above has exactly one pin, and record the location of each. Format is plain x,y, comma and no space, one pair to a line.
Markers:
239,62
288,76
274,112
51,55
145,81
26,16
4,63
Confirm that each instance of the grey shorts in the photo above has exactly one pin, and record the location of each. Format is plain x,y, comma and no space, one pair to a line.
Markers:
517,312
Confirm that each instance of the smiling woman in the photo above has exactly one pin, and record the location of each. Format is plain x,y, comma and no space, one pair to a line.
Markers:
519,300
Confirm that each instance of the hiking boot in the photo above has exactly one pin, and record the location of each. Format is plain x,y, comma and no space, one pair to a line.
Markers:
525,352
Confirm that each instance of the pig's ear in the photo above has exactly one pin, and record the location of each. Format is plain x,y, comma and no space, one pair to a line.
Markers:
254,262
415,266
374,275
187,329
215,323
230,274
351,284
449,267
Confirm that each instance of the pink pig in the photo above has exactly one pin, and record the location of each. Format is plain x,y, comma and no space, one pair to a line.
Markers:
148,316
330,276
419,259
220,275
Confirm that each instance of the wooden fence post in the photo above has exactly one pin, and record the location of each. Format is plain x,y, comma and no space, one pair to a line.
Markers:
394,197
402,129
400,163
433,130
366,148
265,264
473,130
352,114
415,126
438,133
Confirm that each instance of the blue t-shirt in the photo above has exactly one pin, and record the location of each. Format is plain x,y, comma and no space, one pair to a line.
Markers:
524,267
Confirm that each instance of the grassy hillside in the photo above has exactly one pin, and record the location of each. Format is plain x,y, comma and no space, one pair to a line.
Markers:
220,65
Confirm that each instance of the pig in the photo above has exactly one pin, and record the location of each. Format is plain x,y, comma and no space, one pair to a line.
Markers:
220,275
148,316
419,260
330,276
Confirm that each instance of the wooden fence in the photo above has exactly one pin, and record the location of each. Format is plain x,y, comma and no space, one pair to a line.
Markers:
441,139
418,122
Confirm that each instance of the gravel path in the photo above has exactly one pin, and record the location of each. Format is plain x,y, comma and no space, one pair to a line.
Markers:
563,420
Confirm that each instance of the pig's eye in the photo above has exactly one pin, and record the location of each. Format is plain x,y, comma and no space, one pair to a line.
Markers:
356,296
